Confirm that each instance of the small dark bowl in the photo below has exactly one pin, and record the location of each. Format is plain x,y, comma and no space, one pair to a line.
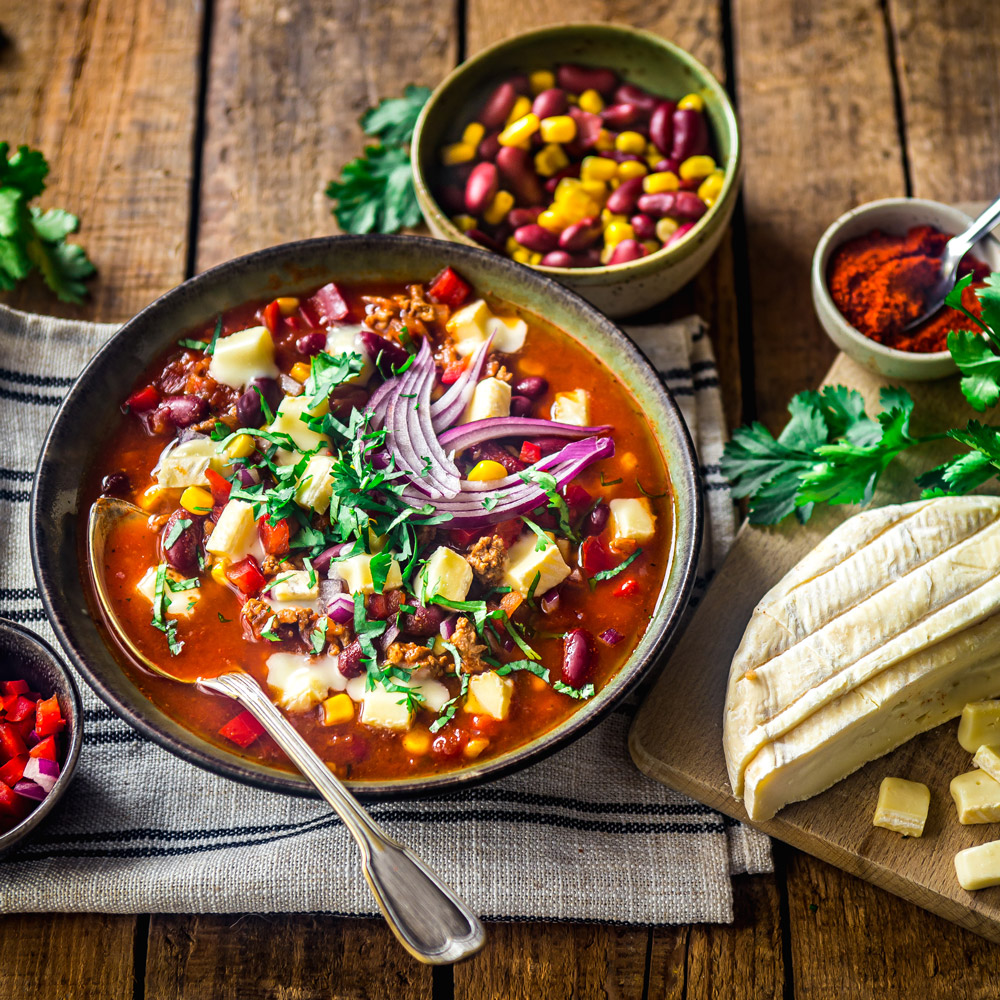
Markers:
24,655
91,410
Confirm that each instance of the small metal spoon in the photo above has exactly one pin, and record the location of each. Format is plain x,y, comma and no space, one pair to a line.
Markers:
954,250
429,920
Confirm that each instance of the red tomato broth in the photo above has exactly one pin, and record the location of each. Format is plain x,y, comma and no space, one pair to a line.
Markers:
354,750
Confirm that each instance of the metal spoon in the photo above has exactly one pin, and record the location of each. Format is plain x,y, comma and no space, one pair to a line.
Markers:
954,250
429,920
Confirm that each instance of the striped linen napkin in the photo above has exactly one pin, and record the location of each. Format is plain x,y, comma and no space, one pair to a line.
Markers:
580,836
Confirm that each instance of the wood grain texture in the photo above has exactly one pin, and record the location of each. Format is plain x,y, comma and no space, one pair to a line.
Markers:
524,961
107,89
53,956
287,84
296,957
814,84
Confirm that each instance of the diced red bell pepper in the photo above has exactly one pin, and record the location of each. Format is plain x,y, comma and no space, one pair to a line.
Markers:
242,730
18,686
220,487
453,372
48,719
594,557
449,288
329,305
11,742
246,576
12,804
576,496
509,531
143,399
464,536
272,317
274,537
530,453
21,709
627,589
6,701
46,748
13,771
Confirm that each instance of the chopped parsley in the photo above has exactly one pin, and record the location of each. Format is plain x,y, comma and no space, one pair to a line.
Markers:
587,691
607,574
160,621
177,529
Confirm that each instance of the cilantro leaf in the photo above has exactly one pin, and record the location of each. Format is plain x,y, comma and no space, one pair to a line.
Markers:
587,691
394,118
607,574
177,529
327,372
375,192
979,365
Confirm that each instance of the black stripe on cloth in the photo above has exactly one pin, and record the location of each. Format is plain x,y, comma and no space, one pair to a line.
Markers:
15,496
711,470
19,594
686,373
17,475
27,397
703,366
41,381
724,485
99,714
122,737
706,383
28,615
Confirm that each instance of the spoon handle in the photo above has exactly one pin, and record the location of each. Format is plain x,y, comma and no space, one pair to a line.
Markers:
431,922
964,242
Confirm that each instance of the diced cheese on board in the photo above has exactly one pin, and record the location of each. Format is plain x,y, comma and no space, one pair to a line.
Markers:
978,867
491,398
445,574
301,681
295,585
572,408
979,725
289,420
235,532
242,357
885,630
489,694
525,561
356,572
902,806
988,760
977,797
315,485
387,709
186,463
632,520
178,603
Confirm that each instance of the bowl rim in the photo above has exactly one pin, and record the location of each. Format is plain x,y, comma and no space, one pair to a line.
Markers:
825,246
681,461
26,827
665,255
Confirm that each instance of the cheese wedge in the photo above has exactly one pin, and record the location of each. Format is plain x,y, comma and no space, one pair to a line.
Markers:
886,629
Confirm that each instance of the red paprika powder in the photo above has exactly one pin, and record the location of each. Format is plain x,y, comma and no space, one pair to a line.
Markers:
880,282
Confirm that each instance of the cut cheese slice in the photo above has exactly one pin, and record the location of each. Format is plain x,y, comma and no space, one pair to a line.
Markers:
886,629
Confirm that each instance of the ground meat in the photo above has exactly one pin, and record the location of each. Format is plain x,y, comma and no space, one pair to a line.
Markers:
465,640
228,418
488,558
416,657
255,616
270,565
288,623
412,311
495,369
426,534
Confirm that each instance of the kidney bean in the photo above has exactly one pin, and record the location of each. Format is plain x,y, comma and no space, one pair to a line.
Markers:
536,238
577,79
557,258
643,226
498,106
690,184
589,258
349,663
346,398
183,411
521,84
629,93
491,451
385,353
489,146
249,412
480,188
483,239
596,520
668,163
425,621
689,206
661,126
621,116
627,250
520,406
623,199
550,102
690,134
679,233
531,386
115,484
311,343
519,177
658,205
270,390
580,235
588,130
573,170
452,199
382,607
578,657
183,553
518,217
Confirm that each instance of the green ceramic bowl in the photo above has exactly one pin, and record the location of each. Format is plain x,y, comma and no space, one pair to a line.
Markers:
92,404
639,57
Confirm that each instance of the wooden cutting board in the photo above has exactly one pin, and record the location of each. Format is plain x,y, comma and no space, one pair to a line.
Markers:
677,735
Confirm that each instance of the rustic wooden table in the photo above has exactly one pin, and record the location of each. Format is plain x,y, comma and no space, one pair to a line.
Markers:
185,132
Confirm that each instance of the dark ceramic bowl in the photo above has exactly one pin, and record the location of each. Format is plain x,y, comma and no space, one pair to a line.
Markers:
24,655
91,410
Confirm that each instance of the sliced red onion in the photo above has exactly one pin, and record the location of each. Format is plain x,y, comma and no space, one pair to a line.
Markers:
448,627
611,637
550,602
322,562
29,790
341,609
329,589
468,435
389,636
32,739
379,403
42,772
452,404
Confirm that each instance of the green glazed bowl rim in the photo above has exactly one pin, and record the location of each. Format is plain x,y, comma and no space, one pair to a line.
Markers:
634,268
55,520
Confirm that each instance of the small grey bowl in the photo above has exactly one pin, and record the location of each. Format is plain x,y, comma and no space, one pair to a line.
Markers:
25,655
896,216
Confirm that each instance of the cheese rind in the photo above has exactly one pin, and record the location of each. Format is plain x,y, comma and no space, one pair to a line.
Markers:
978,867
988,760
977,797
979,725
902,806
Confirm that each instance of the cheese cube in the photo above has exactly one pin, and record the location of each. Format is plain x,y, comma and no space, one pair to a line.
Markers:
446,574
902,806
489,694
468,325
387,709
509,334
525,561
234,533
185,464
632,520
242,357
491,398
289,420
179,603
980,725
302,681
572,408
345,340
979,867
315,486
356,572
295,585
977,797
988,759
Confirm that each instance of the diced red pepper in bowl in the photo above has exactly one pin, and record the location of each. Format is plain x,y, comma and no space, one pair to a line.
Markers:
242,730
449,288
48,717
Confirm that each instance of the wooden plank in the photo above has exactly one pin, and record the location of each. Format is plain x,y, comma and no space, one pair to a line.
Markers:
229,957
819,132
108,91
52,956
287,84
525,961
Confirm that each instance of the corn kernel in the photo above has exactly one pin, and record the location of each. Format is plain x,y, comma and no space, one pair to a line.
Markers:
615,232
550,160
196,500
534,257
711,187
597,190
579,205
473,134
630,142
219,572
486,470
287,304
457,152
512,246
607,217
598,168
337,710
496,211
566,187
519,132
651,246
631,169
558,128
657,183
696,167
417,742
475,747
691,102
629,461
463,222
541,79
240,447
591,100
521,107
666,228
522,255
605,141
553,219
300,371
